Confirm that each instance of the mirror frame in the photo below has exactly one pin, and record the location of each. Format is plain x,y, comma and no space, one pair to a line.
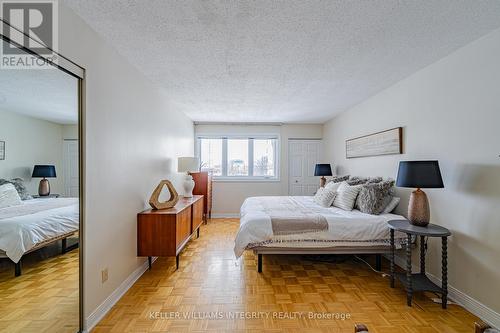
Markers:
71,68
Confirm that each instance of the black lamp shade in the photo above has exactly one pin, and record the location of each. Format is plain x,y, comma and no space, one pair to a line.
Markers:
419,174
44,171
323,170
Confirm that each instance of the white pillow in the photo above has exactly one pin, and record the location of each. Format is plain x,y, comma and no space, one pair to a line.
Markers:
346,196
332,186
9,196
324,197
392,205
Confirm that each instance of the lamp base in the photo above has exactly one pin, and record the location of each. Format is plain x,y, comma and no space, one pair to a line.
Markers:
44,188
418,209
322,181
188,186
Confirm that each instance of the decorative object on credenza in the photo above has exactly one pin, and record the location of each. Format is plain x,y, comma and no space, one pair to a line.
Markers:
387,142
188,165
322,170
44,171
419,174
2,150
154,201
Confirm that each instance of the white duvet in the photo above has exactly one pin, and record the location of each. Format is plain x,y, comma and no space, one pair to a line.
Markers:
344,227
35,221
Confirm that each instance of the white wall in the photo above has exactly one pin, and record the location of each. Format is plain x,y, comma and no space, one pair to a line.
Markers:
31,141
450,111
133,139
229,195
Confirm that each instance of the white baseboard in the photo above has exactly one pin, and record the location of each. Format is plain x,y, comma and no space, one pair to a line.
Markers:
115,296
225,215
472,305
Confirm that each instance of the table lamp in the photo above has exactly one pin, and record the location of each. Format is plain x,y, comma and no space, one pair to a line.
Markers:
188,165
419,174
44,171
322,170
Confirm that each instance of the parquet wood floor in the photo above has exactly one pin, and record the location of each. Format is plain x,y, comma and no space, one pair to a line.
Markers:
211,282
44,298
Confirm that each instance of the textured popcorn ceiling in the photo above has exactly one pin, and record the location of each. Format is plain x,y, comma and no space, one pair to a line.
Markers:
283,61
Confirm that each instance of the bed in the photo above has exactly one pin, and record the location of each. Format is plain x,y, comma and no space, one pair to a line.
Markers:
34,224
330,230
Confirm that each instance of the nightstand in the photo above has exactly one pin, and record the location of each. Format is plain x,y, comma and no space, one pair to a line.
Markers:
36,196
419,281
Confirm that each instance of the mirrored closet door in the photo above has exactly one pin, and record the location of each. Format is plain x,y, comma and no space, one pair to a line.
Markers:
40,198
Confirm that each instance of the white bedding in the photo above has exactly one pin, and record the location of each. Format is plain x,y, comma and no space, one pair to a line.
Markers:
344,228
34,221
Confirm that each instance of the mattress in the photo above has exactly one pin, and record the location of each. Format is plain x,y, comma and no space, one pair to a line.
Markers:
345,228
35,221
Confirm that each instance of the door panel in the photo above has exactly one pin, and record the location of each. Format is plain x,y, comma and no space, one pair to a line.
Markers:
71,173
302,158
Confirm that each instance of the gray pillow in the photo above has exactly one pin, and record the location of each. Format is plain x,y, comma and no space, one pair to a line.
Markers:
356,180
371,197
373,180
339,179
20,187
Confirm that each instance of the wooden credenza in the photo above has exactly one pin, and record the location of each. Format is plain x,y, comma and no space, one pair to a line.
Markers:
165,232
203,186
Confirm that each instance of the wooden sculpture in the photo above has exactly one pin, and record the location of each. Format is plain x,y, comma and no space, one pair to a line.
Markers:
154,201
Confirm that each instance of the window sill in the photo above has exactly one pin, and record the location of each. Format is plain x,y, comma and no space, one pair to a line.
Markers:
244,180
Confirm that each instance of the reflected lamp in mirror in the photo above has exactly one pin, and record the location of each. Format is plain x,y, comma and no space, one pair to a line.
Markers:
322,170
44,171
188,165
419,174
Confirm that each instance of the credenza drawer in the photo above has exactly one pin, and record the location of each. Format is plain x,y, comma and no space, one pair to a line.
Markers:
183,228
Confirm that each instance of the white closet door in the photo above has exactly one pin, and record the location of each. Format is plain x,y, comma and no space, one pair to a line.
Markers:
302,158
70,156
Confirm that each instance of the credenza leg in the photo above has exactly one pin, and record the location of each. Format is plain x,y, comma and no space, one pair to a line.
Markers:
198,233
259,263
177,261
150,262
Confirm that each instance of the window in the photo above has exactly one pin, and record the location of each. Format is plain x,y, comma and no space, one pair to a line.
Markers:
239,157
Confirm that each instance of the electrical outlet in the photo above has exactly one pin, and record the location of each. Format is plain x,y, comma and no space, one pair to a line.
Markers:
104,275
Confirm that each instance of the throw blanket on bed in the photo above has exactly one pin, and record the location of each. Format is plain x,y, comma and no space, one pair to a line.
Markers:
345,228
290,217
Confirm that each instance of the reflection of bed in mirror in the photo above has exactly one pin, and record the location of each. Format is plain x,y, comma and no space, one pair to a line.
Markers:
35,224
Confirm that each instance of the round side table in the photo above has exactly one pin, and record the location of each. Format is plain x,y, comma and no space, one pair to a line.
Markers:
419,281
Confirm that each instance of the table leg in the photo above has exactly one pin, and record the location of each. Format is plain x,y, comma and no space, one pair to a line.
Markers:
422,254
392,258
444,272
198,233
409,289
177,261
150,262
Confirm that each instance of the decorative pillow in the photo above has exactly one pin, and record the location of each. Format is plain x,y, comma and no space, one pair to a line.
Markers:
371,197
20,187
9,196
332,186
338,179
346,196
356,181
373,180
391,205
324,197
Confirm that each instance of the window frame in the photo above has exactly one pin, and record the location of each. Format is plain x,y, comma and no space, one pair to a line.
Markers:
250,137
